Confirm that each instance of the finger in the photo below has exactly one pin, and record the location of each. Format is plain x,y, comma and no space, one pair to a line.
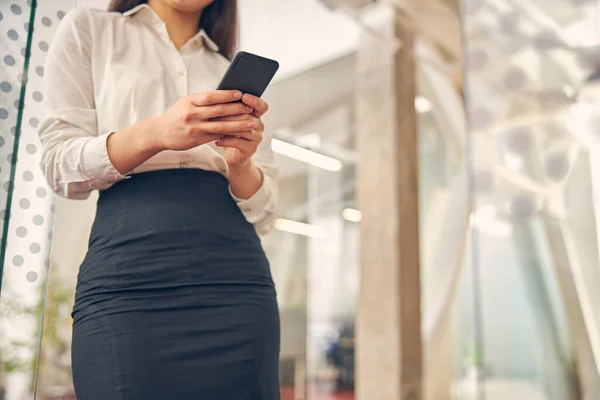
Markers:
225,127
221,110
259,105
242,145
254,135
247,136
211,137
260,126
250,136
214,97
239,117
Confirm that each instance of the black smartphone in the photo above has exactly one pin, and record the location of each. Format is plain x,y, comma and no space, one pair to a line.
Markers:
249,73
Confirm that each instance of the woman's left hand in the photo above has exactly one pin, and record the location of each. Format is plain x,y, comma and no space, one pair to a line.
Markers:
240,149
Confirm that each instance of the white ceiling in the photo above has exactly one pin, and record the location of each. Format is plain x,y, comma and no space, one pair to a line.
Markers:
300,34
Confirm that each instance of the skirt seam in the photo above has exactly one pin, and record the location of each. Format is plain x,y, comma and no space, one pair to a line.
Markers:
110,352
254,391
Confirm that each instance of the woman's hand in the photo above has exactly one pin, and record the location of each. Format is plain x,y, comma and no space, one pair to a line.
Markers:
197,119
240,148
245,178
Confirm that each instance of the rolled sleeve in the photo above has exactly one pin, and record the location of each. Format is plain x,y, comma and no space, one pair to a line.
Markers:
261,207
95,162
74,156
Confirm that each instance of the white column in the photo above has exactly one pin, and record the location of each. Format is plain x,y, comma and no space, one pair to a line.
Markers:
389,354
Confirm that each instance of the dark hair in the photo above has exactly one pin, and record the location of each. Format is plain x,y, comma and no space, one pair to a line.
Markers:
219,20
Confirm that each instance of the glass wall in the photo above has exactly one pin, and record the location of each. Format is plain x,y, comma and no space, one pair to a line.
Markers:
26,28
530,300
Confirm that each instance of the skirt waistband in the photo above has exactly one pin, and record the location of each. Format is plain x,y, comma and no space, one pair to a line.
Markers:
171,182
170,199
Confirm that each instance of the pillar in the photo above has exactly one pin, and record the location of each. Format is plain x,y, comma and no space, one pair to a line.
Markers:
389,350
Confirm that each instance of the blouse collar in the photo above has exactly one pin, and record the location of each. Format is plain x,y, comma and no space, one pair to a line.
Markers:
148,14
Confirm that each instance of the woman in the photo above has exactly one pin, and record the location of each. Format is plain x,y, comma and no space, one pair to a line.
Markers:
175,298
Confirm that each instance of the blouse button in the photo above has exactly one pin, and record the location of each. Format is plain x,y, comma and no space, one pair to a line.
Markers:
196,43
181,72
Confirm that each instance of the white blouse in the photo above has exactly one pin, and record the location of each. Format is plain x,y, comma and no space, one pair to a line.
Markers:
105,72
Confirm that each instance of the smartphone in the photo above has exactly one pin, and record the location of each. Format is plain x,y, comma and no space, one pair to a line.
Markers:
249,73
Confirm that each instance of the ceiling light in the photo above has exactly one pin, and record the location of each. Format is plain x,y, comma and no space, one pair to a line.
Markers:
422,104
352,215
305,155
300,228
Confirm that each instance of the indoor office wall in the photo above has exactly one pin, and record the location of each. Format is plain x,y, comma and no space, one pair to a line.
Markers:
26,29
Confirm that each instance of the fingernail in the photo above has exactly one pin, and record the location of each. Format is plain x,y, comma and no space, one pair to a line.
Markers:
237,95
248,109
218,143
251,124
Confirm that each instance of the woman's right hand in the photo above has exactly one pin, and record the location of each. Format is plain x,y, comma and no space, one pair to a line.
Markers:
191,121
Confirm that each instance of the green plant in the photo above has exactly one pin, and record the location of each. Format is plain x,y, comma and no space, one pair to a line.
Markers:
11,350
28,354
474,354
53,306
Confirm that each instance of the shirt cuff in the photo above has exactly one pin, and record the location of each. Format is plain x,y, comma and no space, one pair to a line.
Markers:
96,164
257,201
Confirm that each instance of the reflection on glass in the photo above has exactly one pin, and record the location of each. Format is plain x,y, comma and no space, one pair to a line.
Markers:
533,258
313,252
24,196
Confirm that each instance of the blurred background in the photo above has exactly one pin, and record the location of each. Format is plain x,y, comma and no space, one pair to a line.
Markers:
437,234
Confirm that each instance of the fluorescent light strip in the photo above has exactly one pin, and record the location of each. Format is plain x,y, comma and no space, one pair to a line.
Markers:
352,215
305,155
300,228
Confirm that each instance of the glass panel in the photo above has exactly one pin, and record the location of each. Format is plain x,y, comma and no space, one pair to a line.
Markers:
314,248
15,18
530,73
333,262
444,221
25,30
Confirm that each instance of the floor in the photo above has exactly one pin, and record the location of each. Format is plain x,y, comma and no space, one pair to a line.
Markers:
288,394
495,389
500,389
